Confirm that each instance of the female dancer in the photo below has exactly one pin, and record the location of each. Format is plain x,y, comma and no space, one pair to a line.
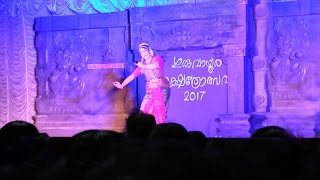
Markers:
155,101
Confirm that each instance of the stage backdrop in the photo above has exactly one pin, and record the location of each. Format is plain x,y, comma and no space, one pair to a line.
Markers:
204,47
18,56
79,57
282,36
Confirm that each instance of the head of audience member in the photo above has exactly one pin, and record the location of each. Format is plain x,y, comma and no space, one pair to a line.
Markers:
272,132
317,134
197,138
96,137
19,128
91,147
173,131
139,125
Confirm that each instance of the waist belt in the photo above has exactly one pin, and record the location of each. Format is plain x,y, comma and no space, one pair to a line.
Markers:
154,84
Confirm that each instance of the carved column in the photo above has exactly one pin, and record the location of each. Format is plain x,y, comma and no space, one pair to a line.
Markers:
260,59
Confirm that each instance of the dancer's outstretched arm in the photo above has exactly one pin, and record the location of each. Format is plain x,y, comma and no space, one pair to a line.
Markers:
124,83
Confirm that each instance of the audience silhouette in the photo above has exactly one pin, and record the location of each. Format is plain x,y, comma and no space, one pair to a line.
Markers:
140,125
272,132
150,151
18,128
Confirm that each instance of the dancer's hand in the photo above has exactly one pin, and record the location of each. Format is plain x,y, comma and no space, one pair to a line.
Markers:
140,65
118,85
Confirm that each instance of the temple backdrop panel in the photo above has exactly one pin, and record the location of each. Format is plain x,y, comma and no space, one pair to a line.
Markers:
204,47
79,57
288,55
277,60
18,55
